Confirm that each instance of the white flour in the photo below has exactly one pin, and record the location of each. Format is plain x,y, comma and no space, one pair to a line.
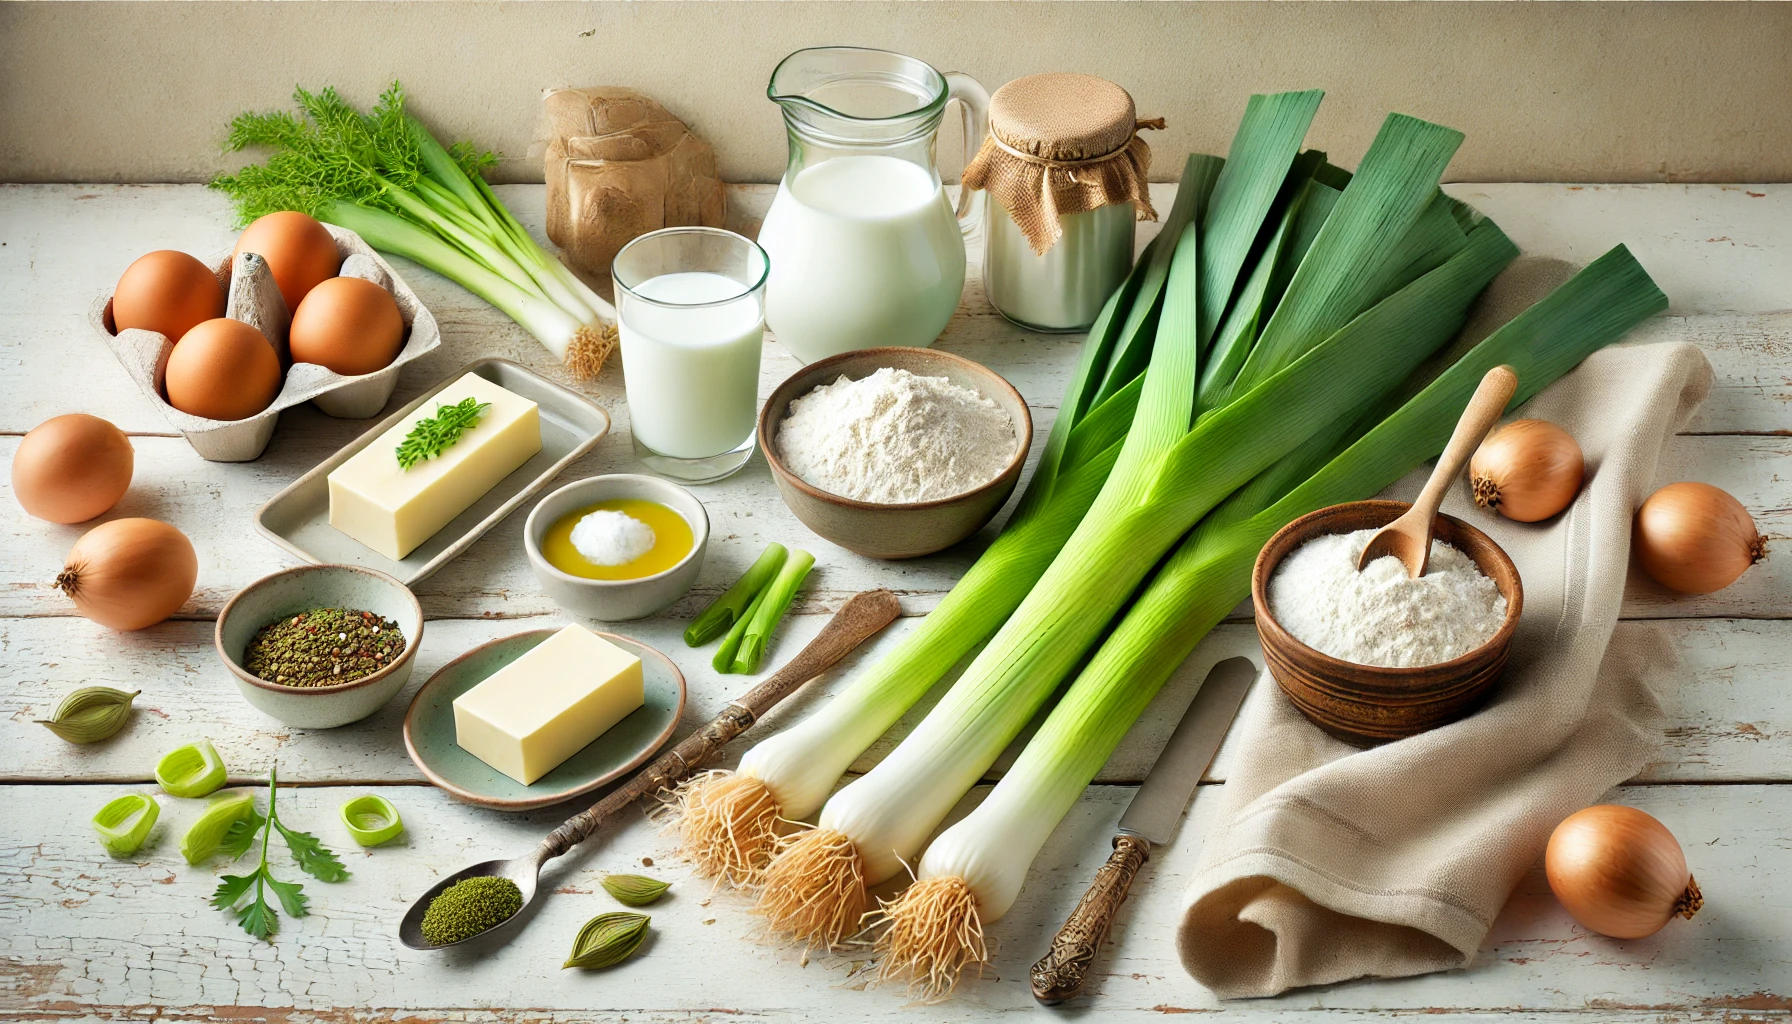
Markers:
895,437
1382,616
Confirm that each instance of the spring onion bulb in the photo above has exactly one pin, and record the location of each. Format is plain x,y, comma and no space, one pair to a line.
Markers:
934,933
383,176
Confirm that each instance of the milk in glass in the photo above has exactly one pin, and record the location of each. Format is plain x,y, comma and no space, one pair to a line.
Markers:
691,369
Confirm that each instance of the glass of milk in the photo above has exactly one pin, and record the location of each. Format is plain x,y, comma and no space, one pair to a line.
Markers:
691,307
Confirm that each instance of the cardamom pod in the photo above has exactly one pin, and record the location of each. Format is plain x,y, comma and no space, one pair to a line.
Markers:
90,714
635,890
607,940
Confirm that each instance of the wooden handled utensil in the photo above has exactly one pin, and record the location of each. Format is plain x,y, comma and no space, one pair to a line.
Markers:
858,620
1149,820
1408,538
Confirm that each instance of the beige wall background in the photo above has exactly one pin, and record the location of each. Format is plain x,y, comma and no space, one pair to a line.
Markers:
1598,92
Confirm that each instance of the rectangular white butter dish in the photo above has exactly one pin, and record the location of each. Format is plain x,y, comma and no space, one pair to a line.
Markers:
393,509
546,706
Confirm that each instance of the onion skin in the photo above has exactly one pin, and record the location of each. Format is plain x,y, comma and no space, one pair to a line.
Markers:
130,573
1696,538
1620,872
71,468
1527,470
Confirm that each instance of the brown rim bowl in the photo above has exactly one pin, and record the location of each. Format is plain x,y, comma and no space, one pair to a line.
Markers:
906,530
302,588
1368,704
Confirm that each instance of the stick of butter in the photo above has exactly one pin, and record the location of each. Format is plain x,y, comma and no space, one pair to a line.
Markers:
392,510
548,704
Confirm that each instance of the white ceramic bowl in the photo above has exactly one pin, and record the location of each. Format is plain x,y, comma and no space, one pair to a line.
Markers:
617,600
303,588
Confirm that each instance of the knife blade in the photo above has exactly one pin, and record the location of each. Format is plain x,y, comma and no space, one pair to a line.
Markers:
1160,801
1149,820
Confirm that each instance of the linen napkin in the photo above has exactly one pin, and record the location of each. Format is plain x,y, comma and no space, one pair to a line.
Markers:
1332,863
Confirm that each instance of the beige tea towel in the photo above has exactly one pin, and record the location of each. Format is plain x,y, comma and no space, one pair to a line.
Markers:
1332,863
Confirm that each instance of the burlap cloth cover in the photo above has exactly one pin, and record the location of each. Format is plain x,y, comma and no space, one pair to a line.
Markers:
1331,863
1059,144
619,165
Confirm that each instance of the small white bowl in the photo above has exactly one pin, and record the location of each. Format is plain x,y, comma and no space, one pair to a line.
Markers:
303,588
617,600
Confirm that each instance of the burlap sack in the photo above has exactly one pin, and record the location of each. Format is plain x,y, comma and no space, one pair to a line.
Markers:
619,165
1060,144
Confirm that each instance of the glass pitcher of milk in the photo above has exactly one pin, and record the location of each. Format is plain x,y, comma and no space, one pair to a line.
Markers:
865,248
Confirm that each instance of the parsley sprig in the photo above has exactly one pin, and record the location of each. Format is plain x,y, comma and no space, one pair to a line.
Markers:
258,917
430,437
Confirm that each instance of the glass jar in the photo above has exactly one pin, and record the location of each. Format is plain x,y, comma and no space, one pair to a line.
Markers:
1065,172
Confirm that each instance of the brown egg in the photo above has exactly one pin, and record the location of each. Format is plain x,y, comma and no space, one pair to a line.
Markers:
299,251
224,370
167,292
71,468
348,325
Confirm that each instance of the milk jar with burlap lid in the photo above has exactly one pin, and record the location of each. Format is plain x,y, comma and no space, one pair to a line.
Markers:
1065,168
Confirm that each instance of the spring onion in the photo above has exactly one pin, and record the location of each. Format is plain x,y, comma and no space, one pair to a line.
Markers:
731,607
123,824
937,930
778,596
1172,469
192,770
383,176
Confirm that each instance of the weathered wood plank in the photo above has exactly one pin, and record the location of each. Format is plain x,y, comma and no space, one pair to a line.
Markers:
68,243
214,504
1727,703
135,937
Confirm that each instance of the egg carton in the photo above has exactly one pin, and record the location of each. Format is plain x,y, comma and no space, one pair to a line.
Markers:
254,298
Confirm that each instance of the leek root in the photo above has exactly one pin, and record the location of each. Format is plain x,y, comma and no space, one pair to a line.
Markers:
727,825
814,888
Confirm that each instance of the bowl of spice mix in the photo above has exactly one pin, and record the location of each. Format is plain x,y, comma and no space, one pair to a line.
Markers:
318,646
1375,655
895,452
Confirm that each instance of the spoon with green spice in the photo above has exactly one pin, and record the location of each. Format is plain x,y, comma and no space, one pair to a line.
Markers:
858,620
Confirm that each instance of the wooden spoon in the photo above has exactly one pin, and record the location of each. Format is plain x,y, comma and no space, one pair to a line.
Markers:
857,621
1408,538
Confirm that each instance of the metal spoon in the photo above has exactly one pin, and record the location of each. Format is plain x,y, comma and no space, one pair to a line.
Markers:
1408,538
857,621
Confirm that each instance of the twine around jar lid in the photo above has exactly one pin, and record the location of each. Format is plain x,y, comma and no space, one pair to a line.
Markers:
1059,144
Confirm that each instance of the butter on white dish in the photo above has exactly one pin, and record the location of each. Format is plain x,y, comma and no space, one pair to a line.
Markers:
544,707
392,509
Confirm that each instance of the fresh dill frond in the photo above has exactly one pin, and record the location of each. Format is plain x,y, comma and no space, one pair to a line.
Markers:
430,437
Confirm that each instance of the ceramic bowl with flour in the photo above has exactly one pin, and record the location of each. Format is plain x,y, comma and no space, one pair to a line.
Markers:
1408,692
895,452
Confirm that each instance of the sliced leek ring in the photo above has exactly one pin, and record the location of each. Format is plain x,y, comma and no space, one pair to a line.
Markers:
372,820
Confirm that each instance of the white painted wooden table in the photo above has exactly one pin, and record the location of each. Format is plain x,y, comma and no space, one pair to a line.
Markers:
85,937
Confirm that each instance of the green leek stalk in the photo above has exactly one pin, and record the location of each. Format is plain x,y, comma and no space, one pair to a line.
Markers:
801,765
731,607
1169,475
723,661
384,177
778,597
990,850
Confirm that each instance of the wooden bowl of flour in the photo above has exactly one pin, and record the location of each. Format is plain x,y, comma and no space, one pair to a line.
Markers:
911,529
1370,704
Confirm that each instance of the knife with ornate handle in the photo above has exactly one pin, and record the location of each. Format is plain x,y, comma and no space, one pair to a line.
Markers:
1149,821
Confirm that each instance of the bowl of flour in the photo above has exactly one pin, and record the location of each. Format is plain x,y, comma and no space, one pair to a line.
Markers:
895,452
1375,655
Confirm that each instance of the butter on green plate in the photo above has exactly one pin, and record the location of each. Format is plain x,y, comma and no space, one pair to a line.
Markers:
429,729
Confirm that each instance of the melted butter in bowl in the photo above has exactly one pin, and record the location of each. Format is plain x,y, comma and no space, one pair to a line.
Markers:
602,550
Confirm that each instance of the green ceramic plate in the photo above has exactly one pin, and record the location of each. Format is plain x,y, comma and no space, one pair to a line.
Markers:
429,729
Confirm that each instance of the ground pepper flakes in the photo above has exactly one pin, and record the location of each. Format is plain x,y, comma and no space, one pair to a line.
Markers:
323,647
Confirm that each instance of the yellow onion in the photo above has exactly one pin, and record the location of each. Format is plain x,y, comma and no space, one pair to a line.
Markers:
1527,470
1696,538
130,573
1620,872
